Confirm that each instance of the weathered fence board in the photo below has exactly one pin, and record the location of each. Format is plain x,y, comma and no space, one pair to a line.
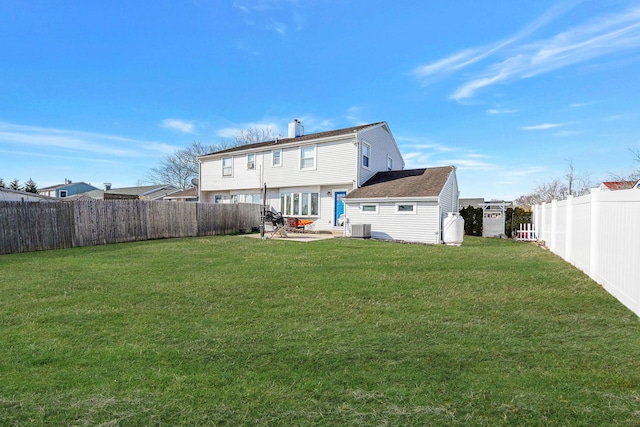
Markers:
33,226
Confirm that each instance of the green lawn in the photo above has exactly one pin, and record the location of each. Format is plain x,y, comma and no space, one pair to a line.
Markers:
239,331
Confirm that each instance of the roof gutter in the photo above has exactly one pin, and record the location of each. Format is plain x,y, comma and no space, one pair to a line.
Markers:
391,199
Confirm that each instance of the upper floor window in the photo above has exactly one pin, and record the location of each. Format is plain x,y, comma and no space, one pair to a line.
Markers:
251,161
308,157
277,157
227,166
389,164
63,193
366,154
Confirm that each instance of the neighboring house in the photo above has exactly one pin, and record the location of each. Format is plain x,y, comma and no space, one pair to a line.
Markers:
146,192
617,185
67,189
306,176
188,195
8,195
475,202
407,205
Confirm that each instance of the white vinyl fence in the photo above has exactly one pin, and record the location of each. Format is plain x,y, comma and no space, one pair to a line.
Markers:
600,234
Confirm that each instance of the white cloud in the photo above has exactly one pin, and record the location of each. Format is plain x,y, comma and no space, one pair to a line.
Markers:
79,141
542,126
466,57
178,124
607,35
275,15
497,112
613,33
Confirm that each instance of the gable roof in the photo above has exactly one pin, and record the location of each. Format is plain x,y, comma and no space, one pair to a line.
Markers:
618,185
189,193
67,184
427,182
9,195
309,137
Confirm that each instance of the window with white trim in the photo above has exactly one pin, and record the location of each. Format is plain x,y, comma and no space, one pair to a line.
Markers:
299,204
366,154
389,163
308,157
63,193
227,166
251,161
369,208
246,198
276,158
406,208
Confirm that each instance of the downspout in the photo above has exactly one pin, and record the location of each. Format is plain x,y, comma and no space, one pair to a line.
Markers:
357,145
199,181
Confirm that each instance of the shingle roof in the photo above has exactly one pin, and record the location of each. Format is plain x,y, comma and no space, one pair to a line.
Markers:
308,137
426,182
619,185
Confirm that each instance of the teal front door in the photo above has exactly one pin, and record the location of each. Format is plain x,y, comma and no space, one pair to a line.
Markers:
338,205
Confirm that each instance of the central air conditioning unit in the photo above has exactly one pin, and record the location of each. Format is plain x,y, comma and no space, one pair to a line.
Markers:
361,231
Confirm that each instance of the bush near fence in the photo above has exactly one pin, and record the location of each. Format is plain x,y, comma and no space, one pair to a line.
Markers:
35,226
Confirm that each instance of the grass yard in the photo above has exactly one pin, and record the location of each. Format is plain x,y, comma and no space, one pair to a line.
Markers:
238,331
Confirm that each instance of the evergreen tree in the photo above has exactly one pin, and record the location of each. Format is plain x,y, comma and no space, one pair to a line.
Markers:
15,185
2,183
30,186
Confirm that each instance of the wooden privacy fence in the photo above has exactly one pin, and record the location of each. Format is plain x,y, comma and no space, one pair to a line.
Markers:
35,226
600,234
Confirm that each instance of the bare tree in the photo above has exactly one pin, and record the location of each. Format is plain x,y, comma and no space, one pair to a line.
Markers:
634,173
181,167
253,135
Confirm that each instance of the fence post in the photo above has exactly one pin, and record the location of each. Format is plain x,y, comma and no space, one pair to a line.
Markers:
594,244
553,245
542,234
568,247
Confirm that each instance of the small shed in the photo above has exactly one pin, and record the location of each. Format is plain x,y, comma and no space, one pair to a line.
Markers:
407,205
494,218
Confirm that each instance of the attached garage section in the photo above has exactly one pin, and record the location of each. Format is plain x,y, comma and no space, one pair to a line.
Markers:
411,221
406,205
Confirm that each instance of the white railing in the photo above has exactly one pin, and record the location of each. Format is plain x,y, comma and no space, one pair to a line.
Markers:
600,234
526,232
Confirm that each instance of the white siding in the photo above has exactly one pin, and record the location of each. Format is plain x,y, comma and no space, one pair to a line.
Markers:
335,163
337,168
382,146
449,196
423,226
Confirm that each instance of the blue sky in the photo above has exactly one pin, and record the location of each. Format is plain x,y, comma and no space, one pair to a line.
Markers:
509,92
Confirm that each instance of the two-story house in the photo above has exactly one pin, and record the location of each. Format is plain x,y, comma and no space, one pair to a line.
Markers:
305,176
